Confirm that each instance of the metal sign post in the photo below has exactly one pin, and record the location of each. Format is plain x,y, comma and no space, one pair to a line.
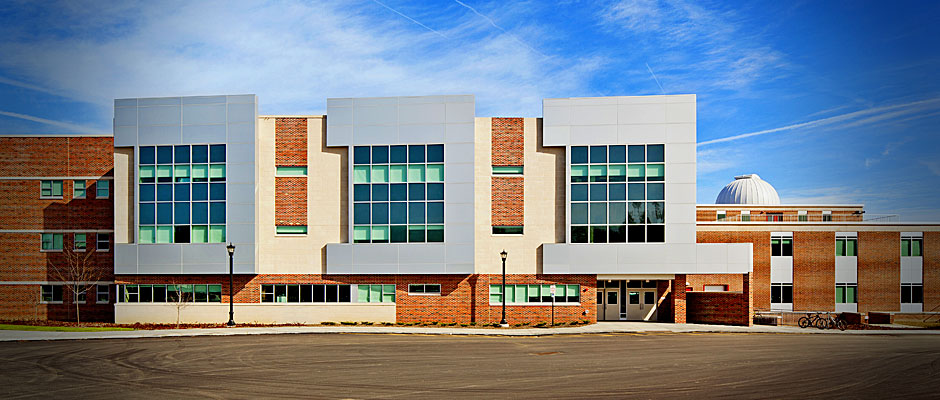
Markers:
553,305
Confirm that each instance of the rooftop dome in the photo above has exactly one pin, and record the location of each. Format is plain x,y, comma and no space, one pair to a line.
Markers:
748,189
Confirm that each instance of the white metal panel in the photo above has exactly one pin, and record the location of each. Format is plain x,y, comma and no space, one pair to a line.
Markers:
912,269
781,269
846,269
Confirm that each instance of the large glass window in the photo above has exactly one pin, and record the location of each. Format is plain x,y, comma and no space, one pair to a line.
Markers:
196,293
912,246
618,194
298,293
781,293
846,293
846,246
182,194
528,294
51,293
781,246
912,293
50,189
398,194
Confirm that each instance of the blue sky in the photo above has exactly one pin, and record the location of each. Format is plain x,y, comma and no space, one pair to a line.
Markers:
831,102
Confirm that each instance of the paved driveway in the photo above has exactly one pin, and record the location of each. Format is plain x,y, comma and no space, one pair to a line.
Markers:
419,366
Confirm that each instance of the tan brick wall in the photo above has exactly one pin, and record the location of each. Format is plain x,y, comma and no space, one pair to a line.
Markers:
879,271
814,271
508,201
290,201
760,277
932,271
290,141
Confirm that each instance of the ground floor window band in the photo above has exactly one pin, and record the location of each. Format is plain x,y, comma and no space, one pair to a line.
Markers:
195,293
531,294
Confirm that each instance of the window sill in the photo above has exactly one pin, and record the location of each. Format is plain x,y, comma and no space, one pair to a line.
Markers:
50,197
102,302
103,251
50,302
51,251
79,250
290,235
425,294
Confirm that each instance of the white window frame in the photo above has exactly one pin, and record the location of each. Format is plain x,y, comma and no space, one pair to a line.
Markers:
53,301
75,189
107,242
424,287
52,194
99,292
75,241
802,216
827,216
98,189
721,215
745,213
52,250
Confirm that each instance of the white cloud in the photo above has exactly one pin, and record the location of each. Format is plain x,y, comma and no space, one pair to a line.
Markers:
293,55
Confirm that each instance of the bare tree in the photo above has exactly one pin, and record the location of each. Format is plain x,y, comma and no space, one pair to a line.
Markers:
181,298
78,271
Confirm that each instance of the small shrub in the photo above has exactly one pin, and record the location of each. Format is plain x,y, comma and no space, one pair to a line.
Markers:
473,324
464,325
388,323
365,323
541,324
348,323
327,323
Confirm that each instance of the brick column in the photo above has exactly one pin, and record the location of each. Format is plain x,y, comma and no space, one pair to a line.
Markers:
678,299
748,299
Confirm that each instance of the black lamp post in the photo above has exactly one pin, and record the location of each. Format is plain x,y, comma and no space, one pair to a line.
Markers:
231,284
503,255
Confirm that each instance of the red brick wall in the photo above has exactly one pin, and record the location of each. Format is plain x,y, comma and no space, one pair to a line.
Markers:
21,207
706,215
463,299
732,281
21,303
932,271
814,271
290,201
679,300
508,140
879,271
45,156
722,308
290,150
760,277
508,201
290,141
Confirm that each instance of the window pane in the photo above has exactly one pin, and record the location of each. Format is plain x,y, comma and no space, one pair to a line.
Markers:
618,213
398,173
579,173
415,191
181,155
361,214
636,172
840,294
146,234
656,212
617,234
655,153
617,173
164,213
217,172
656,233
579,234
850,247
435,213
435,233
598,154
435,153
200,213
579,213
636,213
916,245
147,216
361,155
655,172
617,154
598,234
217,213
787,293
435,173
380,213
579,192
361,192
165,192
217,191
905,247
361,174
380,192
416,212
379,174
416,173
637,191
399,192
398,154
636,234
380,154
636,154
850,294
598,192
164,154
416,234
200,173
164,234
398,213
655,191
200,154
216,233
598,213
181,213
840,247
435,191
399,234
181,173
181,192
217,153
147,155
416,153
598,173
200,234
579,155
618,191
361,234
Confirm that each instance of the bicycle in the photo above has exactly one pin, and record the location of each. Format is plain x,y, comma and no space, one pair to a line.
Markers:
809,320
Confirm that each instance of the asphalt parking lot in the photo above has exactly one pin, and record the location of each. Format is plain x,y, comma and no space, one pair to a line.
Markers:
419,366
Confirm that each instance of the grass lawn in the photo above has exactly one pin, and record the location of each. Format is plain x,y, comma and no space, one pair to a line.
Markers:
9,327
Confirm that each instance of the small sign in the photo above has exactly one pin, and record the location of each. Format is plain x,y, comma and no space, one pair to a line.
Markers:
553,290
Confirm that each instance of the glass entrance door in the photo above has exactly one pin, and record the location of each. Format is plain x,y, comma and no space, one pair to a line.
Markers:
641,304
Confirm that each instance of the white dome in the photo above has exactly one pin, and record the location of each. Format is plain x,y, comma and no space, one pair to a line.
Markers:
748,189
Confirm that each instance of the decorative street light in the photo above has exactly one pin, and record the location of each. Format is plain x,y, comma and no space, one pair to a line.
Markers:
231,284
503,322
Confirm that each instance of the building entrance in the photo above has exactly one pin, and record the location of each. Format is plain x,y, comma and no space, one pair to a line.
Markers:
627,300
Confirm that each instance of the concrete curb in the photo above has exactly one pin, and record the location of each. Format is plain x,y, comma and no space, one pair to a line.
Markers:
602,328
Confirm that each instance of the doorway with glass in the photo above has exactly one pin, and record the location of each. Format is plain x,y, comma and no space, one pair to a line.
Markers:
627,300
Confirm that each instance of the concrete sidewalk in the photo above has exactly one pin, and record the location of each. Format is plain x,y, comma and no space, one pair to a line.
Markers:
600,328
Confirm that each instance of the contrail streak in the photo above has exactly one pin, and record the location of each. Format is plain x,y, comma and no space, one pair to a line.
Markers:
655,79
827,121
488,19
66,125
409,18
